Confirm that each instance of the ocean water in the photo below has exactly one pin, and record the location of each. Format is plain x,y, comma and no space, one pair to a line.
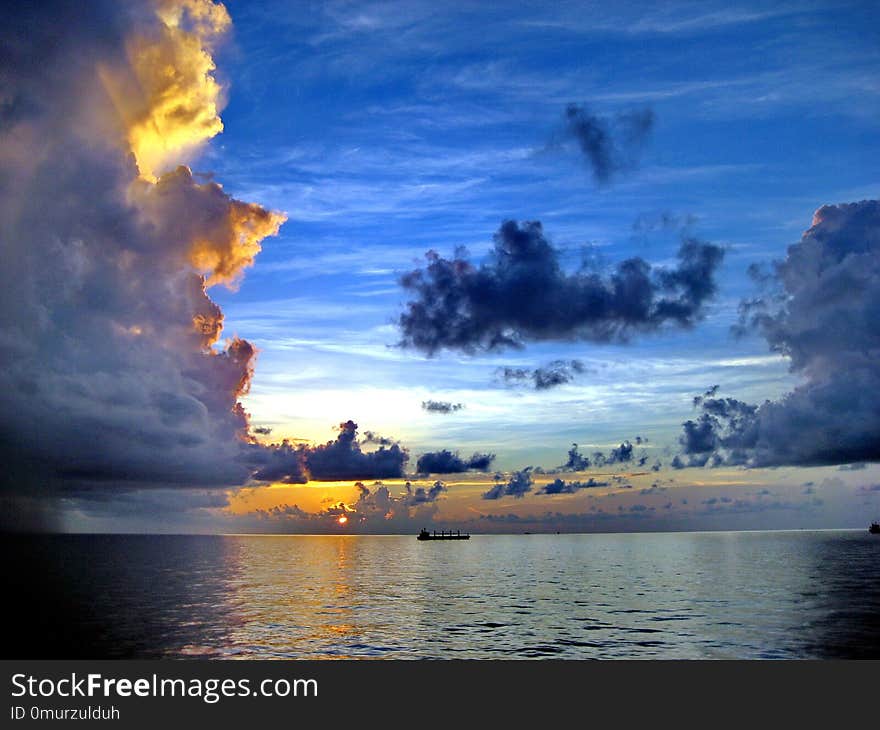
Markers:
772,595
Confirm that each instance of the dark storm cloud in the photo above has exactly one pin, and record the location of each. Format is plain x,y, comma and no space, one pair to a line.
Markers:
519,483
112,372
335,460
822,314
609,145
557,372
522,294
439,406
284,463
165,503
447,462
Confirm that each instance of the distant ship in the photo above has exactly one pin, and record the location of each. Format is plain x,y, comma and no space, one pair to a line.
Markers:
443,535
874,529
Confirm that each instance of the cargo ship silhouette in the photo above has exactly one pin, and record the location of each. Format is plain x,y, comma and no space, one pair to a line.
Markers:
442,535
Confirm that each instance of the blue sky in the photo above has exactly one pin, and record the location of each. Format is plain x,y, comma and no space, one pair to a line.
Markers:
384,130
665,150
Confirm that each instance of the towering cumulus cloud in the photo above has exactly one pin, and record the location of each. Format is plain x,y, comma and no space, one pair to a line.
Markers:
113,371
823,315
522,294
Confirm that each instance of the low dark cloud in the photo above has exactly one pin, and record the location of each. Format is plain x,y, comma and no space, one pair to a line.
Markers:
522,294
621,454
819,308
576,460
261,430
447,462
518,485
440,406
335,460
420,495
559,486
544,377
609,145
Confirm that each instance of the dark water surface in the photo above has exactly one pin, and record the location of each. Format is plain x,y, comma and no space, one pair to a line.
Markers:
804,594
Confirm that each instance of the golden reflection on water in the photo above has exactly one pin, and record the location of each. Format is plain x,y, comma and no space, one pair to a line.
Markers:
294,596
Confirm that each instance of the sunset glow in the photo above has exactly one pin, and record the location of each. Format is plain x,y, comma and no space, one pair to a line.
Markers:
412,330
347,275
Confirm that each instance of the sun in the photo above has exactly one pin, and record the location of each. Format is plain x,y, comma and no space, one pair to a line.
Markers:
342,519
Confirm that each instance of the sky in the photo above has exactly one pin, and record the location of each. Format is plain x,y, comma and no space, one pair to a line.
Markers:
374,266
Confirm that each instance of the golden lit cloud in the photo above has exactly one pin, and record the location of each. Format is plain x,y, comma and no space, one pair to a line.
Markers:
236,241
168,98
219,234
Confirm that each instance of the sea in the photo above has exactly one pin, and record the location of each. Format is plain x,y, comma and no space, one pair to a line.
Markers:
706,595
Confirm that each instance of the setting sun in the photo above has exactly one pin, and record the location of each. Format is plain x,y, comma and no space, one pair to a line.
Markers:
342,519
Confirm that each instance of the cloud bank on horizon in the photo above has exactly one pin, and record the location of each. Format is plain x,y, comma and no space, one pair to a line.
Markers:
376,509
